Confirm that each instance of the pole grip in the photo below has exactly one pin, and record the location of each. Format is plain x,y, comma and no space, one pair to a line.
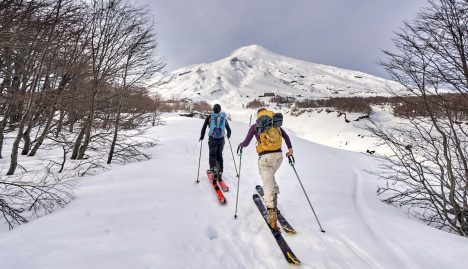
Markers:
291,160
239,151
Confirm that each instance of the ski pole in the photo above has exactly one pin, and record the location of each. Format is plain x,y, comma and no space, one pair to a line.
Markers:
199,159
232,153
292,162
239,152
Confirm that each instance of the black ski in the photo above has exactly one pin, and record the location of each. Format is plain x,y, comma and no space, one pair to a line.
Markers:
281,219
287,252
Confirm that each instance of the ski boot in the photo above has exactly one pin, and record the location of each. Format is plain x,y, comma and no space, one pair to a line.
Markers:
215,173
221,183
273,219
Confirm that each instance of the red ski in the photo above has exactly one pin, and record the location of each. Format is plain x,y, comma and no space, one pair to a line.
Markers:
219,193
223,185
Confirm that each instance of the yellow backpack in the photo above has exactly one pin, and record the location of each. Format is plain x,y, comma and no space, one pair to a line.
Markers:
268,130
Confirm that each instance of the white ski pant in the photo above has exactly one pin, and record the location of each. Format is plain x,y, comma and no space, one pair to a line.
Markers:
268,164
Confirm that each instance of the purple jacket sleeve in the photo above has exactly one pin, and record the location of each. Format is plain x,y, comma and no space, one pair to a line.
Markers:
251,133
286,138
248,137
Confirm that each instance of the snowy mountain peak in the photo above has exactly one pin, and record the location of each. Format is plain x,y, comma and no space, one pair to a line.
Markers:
251,51
252,71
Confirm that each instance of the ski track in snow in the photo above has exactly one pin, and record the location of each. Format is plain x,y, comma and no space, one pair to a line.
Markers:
361,209
153,215
351,254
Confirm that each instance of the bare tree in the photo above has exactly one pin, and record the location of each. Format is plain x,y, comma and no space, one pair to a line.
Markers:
28,38
75,64
428,168
112,27
139,65
69,63
20,199
45,34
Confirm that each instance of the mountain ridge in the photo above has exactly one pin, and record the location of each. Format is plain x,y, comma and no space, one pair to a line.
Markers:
252,71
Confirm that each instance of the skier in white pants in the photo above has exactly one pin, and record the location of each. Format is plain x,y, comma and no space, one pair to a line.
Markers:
268,147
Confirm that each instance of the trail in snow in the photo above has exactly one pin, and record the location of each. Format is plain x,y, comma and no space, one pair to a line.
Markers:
361,209
153,215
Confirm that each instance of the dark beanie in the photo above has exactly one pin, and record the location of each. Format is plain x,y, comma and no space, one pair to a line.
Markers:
216,108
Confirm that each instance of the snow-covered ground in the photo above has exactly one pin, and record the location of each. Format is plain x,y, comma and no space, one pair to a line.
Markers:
152,214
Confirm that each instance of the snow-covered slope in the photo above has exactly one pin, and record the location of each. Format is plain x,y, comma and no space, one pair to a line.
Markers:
153,215
253,71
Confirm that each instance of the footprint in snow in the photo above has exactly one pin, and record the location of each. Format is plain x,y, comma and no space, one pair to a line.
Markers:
211,233
199,215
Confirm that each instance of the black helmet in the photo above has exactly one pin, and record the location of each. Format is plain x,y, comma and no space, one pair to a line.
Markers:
216,108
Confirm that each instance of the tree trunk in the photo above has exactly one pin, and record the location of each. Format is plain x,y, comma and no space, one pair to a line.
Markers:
44,133
2,130
60,123
116,130
71,121
27,139
78,141
14,149
82,148
53,108
2,136
87,138
26,117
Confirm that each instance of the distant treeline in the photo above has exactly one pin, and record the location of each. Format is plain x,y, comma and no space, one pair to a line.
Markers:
185,105
408,106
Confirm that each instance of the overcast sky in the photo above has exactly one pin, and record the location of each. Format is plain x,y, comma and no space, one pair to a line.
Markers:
343,33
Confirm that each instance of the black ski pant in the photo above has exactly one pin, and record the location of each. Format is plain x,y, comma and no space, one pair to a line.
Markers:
216,146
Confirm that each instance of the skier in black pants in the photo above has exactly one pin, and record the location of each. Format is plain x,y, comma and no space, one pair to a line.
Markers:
218,124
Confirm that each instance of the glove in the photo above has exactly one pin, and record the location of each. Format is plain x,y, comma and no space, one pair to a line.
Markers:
201,139
228,135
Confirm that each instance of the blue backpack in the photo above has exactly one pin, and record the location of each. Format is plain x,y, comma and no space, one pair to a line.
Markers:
217,125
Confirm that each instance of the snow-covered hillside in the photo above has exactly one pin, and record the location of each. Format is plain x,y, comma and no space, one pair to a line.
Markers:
153,215
252,71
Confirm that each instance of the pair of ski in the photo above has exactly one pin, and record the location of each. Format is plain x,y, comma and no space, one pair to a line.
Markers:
222,186
285,249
